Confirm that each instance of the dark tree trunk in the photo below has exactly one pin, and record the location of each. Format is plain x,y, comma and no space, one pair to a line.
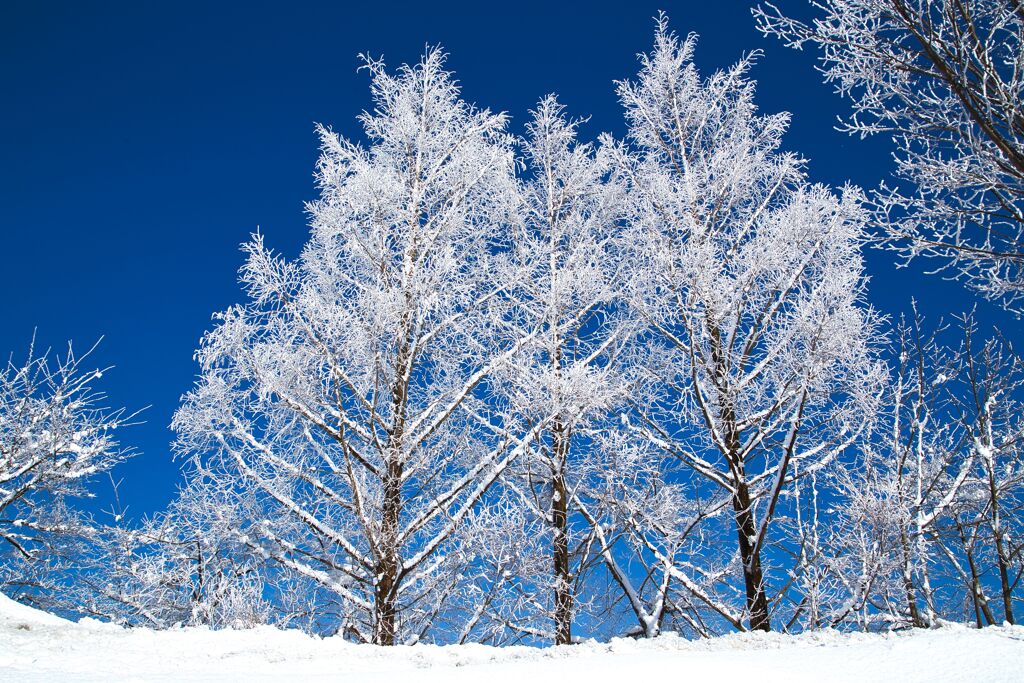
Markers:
388,563
1000,543
908,585
753,576
743,511
560,547
560,440
980,603
1004,577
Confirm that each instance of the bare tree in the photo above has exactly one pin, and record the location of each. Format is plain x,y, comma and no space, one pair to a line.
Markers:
186,565
936,491
904,487
655,531
945,80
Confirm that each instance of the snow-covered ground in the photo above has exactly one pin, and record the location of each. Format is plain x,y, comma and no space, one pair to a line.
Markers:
39,647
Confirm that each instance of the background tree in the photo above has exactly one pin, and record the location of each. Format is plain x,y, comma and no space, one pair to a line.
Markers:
183,566
913,532
945,80
990,403
901,491
655,531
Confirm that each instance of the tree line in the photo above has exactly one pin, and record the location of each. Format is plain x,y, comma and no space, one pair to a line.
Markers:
531,388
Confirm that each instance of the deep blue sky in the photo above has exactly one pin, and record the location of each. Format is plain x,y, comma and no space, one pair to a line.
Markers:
143,142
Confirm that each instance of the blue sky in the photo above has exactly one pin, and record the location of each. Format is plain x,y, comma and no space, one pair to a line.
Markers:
143,142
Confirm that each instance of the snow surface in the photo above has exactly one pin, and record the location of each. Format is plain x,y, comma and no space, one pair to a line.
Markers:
40,647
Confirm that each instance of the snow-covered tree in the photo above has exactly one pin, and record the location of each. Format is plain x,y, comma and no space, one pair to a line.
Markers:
504,593
56,435
183,566
945,79
656,532
758,362
991,404
566,251
919,532
897,495
352,390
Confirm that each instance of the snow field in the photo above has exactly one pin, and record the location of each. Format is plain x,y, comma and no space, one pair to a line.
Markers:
35,646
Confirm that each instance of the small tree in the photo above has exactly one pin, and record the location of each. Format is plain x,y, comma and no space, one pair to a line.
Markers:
991,405
937,491
55,436
655,530
186,565
902,490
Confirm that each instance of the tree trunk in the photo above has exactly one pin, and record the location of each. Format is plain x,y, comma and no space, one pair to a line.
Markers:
746,524
560,440
560,546
1004,576
753,577
997,537
747,528
388,565
980,603
908,585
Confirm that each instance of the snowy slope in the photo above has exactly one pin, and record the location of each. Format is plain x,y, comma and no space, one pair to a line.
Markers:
39,647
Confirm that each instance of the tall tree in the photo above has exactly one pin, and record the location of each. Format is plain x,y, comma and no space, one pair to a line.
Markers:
945,79
759,354
351,391
565,377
